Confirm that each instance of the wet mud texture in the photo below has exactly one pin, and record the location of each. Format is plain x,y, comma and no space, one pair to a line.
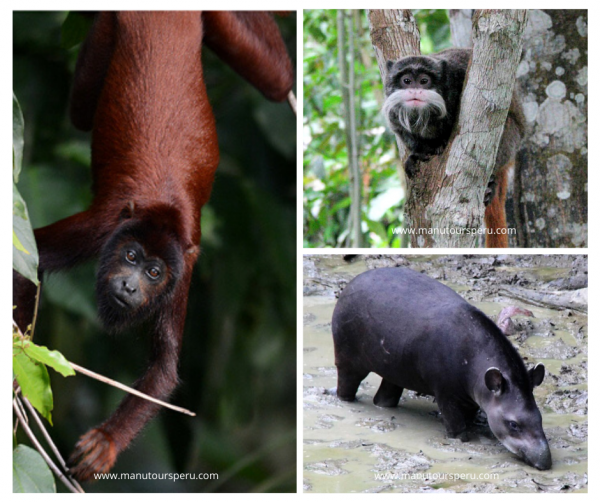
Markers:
358,447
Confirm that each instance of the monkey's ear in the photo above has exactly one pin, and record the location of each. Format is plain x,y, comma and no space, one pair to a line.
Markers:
128,211
389,64
192,249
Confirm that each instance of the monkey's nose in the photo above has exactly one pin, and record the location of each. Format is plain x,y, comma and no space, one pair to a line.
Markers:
128,288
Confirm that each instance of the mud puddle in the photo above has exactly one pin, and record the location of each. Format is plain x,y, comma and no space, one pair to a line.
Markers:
358,447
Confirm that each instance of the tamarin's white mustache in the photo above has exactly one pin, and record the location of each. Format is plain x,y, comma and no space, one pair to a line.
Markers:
414,119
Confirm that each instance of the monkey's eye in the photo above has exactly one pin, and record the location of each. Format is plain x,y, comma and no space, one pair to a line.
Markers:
406,81
131,256
153,272
424,81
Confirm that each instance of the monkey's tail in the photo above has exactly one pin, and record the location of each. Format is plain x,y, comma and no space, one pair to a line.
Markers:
495,213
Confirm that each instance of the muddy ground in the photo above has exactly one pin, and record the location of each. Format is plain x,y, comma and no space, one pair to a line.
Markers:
358,447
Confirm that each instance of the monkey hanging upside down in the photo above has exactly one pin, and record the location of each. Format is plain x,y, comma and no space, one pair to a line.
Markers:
422,104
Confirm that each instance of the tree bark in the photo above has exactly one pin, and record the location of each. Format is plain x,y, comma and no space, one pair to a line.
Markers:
457,201
346,65
394,35
551,188
461,27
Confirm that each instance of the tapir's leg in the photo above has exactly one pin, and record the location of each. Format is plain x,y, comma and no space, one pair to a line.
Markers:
388,394
455,417
348,381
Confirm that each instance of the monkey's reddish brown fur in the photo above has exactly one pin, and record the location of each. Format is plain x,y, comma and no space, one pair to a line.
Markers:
495,214
139,86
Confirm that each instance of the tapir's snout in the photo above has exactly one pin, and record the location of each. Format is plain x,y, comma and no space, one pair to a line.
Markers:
539,457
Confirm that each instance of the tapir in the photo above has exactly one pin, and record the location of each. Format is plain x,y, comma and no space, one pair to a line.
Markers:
420,335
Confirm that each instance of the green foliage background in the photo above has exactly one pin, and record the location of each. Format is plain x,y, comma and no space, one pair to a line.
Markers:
238,364
326,184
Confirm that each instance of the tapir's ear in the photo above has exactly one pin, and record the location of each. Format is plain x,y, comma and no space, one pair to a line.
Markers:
389,65
536,374
494,380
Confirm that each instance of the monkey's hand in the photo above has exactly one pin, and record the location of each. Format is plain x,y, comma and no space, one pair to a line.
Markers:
490,191
411,165
95,453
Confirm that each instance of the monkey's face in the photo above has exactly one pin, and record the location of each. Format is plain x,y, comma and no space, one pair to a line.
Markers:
136,277
413,102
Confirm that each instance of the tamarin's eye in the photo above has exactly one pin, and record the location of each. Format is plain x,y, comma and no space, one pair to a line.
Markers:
424,81
406,81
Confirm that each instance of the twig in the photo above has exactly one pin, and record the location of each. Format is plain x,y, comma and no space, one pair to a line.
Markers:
137,393
16,406
35,309
292,101
50,443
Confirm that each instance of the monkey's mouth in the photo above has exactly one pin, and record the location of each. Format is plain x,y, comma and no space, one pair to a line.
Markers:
119,302
416,103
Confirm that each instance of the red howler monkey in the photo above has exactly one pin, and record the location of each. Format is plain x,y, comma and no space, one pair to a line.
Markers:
422,104
139,87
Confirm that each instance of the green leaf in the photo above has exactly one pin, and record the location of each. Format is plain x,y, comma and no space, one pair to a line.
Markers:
31,474
18,127
18,245
25,254
74,29
51,358
34,381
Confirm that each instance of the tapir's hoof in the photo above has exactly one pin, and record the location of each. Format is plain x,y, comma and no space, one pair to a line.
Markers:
464,436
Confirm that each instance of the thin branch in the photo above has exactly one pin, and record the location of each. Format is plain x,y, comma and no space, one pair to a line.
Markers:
137,393
352,151
17,408
50,443
124,387
35,310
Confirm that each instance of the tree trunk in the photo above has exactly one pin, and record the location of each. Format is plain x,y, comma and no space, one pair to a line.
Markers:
461,27
394,35
346,64
552,185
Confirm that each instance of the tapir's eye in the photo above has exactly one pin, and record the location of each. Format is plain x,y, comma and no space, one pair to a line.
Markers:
514,426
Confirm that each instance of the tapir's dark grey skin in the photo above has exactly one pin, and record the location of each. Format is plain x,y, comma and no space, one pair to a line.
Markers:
418,334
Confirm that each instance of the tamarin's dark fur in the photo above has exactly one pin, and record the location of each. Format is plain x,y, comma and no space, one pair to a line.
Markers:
422,104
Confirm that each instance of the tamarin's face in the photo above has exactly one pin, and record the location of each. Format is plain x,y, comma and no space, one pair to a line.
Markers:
415,85
413,101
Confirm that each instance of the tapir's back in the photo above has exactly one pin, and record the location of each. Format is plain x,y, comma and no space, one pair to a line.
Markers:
386,298
393,319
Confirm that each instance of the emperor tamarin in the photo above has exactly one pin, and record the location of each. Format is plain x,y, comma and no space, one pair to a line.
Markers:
422,104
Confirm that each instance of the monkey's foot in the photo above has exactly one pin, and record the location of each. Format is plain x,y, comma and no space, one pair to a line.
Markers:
490,191
95,453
